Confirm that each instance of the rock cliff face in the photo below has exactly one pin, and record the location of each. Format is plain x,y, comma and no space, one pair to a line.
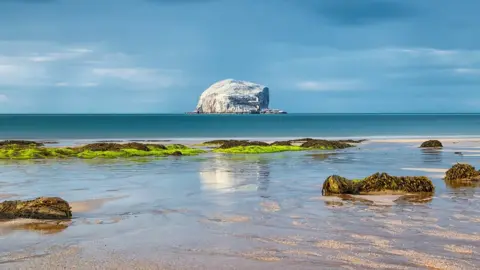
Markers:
232,96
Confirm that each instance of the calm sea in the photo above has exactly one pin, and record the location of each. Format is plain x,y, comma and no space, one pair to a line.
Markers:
217,126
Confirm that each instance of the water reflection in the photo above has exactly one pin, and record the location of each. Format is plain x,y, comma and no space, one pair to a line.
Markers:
37,226
456,184
431,155
224,174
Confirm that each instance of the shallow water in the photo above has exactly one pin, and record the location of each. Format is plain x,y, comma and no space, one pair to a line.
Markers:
244,211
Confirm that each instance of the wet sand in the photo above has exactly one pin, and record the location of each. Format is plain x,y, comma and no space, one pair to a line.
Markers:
244,212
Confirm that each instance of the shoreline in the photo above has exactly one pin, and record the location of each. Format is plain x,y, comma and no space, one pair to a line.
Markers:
194,140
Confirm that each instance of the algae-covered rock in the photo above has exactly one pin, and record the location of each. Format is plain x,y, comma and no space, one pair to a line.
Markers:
237,143
378,183
385,183
335,184
20,143
461,171
39,208
282,143
102,146
325,144
431,144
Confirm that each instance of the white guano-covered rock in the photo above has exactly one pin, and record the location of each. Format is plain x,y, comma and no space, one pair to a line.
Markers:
232,96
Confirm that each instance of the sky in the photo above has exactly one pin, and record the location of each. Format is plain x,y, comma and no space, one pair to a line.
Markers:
316,56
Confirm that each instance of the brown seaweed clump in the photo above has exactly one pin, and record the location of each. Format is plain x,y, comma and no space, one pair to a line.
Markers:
385,183
282,143
335,184
378,183
431,144
114,146
39,208
325,144
462,171
20,143
236,143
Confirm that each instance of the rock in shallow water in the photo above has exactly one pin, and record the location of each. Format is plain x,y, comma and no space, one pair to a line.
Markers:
39,208
378,183
431,144
232,96
461,171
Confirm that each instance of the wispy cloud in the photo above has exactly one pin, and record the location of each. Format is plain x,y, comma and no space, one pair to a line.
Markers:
3,98
329,85
140,77
70,66
67,54
467,71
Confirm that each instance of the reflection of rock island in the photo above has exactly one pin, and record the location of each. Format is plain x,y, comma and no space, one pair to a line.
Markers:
226,175
235,97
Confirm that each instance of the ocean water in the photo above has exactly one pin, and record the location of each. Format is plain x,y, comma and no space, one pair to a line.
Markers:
246,126
220,211
223,211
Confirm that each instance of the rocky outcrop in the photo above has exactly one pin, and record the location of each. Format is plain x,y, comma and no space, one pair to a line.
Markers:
40,208
232,96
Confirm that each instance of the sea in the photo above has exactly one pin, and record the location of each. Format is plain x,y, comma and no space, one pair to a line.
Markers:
244,211
167,126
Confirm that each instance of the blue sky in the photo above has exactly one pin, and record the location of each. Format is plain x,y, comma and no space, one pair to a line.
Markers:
157,56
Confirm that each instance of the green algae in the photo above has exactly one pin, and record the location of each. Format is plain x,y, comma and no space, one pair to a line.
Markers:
92,152
257,149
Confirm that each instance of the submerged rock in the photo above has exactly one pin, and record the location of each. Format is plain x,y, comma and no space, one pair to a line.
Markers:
40,208
431,144
232,96
378,183
461,171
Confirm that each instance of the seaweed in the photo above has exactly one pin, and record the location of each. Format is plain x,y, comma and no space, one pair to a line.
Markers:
96,150
257,149
105,146
20,143
431,144
39,208
461,171
383,182
336,184
377,183
282,143
325,144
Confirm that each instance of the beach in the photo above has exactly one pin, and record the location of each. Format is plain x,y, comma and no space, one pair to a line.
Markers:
246,211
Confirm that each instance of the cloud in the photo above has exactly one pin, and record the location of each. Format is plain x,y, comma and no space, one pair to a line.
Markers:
360,12
329,85
467,71
67,54
385,69
140,77
35,64
3,98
